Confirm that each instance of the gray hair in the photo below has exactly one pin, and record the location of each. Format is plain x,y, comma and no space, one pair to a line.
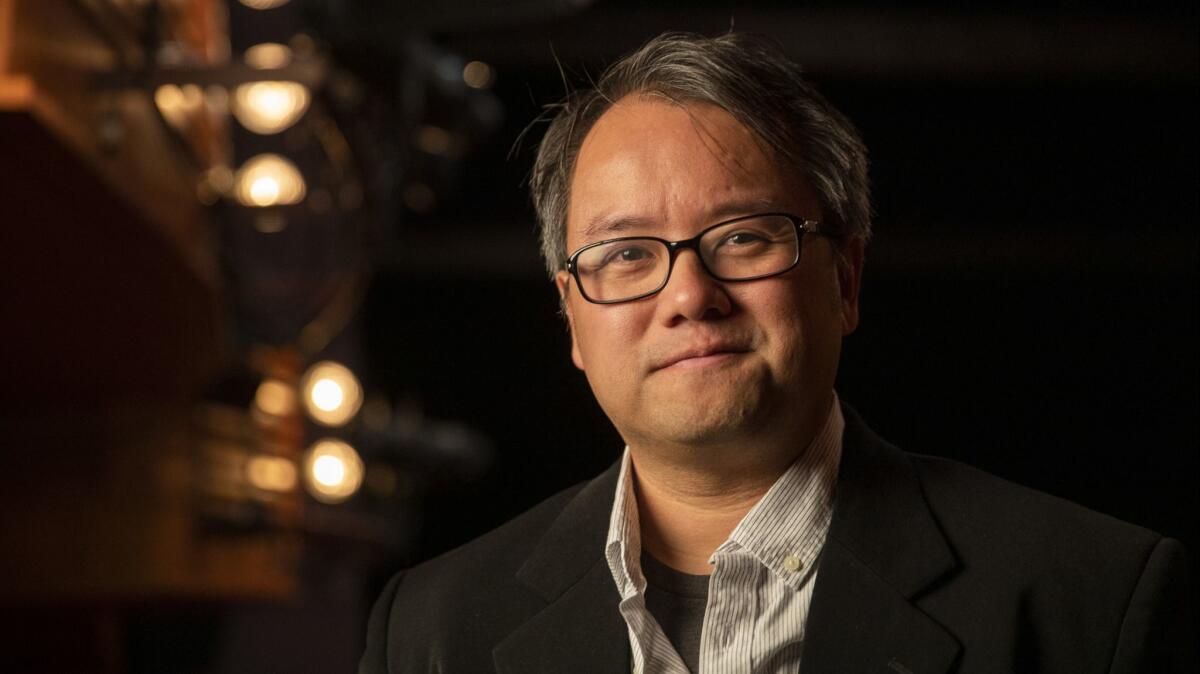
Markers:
749,77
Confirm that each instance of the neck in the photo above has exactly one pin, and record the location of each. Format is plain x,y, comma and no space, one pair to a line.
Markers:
686,515
691,499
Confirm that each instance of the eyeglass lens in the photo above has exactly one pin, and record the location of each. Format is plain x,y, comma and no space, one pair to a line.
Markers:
744,249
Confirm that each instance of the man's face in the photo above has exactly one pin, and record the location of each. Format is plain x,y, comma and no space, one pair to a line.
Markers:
703,361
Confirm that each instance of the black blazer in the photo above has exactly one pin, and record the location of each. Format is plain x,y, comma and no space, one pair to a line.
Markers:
930,567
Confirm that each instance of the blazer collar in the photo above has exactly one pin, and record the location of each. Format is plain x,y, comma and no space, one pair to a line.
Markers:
580,629
883,550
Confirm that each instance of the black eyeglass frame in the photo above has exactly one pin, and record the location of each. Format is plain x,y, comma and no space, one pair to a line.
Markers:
801,226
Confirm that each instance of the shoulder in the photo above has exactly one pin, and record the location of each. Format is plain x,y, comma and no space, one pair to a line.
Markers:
1072,584
447,613
984,513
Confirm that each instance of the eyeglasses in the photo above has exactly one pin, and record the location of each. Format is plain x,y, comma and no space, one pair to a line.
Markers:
743,249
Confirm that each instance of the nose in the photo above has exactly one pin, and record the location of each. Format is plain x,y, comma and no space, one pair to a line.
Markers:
691,294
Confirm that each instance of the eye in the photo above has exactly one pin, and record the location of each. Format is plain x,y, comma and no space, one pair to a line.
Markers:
743,238
626,254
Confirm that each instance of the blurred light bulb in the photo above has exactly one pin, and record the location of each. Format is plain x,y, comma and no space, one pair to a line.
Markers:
268,180
478,75
436,140
169,99
268,56
332,394
275,398
271,473
329,471
327,395
264,4
269,107
333,471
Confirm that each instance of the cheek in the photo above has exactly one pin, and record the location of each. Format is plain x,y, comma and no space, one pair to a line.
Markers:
795,326
608,336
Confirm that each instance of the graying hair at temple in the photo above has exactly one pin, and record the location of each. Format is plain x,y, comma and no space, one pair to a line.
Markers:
751,78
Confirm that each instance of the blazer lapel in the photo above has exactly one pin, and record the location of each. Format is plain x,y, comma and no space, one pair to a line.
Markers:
580,629
884,548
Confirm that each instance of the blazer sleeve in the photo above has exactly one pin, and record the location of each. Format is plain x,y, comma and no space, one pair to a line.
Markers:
1158,633
374,658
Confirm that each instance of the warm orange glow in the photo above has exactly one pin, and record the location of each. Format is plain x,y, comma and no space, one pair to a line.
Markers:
332,394
436,140
333,471
174,105
268,56
271,473
275,398
268,180
269,107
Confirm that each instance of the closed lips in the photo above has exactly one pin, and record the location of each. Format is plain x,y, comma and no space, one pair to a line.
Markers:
699,352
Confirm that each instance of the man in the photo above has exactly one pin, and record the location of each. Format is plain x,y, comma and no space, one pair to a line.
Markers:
704,213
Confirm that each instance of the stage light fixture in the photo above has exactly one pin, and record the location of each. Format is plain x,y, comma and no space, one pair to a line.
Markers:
270,107
333,471
332,394
268,180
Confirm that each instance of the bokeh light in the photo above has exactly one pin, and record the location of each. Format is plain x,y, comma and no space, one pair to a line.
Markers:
268,56
478,75
271,473
332,394
270,107
275,397
268,180
333,471
263,4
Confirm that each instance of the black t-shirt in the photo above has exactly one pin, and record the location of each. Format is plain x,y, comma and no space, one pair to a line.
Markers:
677,601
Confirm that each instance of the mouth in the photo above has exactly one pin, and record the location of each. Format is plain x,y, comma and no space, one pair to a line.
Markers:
701,357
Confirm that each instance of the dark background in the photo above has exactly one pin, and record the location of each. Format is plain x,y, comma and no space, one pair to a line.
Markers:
1029,302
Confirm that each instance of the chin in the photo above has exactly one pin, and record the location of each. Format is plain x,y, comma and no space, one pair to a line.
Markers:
707,419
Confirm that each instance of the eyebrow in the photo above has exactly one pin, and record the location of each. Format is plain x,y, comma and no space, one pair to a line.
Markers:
733,209
605,226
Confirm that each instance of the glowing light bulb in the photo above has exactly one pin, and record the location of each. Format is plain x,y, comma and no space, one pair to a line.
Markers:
327,395
265,190
332,394
329,470
333,471
268,180
268,56
269,107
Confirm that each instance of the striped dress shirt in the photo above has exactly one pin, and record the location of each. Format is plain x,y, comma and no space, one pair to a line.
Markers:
763,574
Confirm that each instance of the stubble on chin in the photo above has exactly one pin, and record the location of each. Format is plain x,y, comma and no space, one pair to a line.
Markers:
707,410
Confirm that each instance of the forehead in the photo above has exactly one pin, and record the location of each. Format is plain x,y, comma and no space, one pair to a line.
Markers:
649,163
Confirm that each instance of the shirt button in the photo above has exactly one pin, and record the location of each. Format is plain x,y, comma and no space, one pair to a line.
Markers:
792,563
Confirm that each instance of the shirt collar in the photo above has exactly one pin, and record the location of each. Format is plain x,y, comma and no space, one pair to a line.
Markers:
624,546
784,531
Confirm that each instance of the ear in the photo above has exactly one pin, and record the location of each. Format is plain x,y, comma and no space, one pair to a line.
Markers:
562,281
850,281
